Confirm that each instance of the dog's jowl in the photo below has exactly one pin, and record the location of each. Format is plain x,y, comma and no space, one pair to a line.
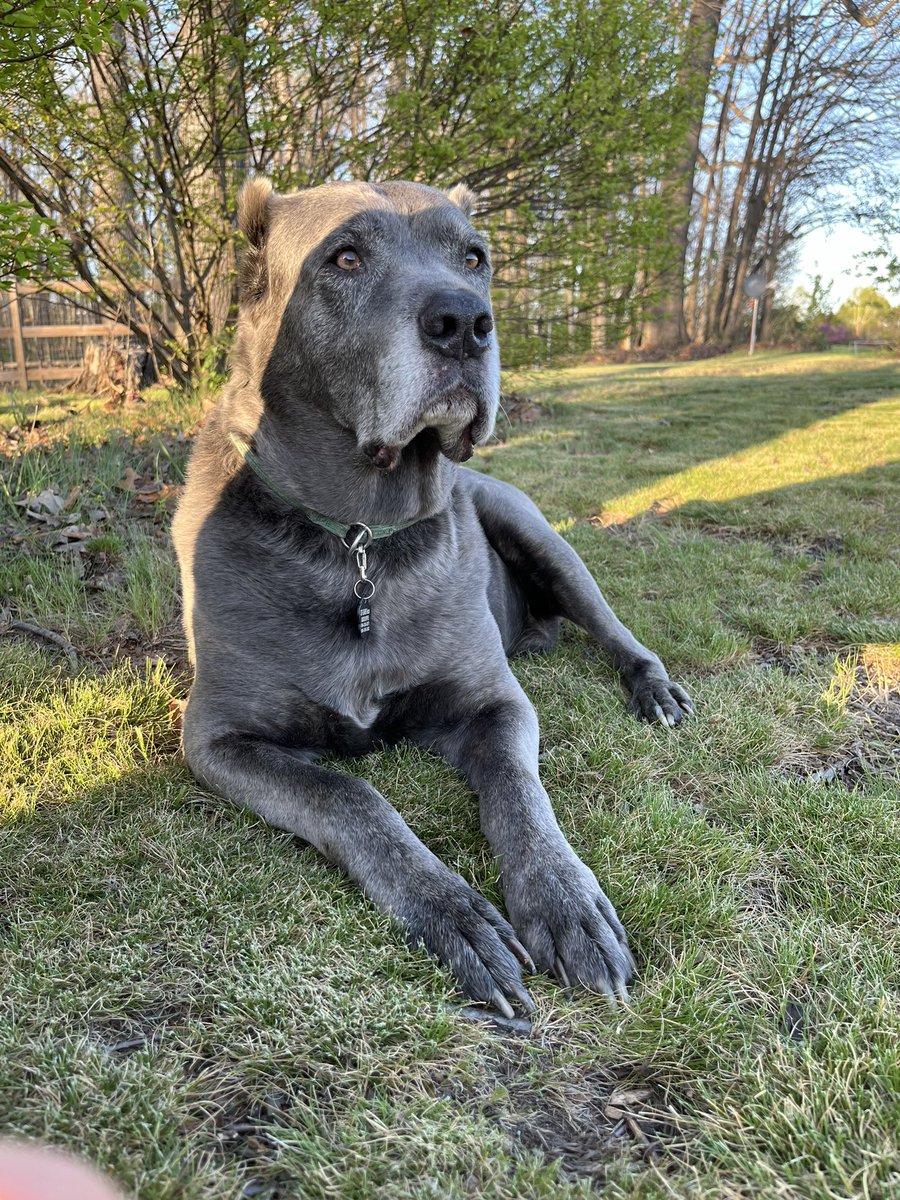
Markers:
347,583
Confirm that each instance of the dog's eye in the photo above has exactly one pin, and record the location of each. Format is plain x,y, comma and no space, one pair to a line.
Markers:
348,259
473,259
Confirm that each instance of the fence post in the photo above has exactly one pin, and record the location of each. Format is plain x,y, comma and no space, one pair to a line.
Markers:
18,340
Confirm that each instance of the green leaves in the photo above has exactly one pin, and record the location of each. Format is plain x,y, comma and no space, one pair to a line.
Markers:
29,247
137,123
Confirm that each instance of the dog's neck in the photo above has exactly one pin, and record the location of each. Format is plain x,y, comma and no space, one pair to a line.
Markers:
317,464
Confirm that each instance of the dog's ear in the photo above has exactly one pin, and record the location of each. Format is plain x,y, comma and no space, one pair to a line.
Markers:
463,197
254,212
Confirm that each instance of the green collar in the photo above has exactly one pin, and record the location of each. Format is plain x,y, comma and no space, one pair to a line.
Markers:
338,528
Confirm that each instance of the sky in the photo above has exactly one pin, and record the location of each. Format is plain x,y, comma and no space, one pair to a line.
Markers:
832,252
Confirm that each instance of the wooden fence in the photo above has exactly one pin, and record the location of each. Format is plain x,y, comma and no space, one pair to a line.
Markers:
43,334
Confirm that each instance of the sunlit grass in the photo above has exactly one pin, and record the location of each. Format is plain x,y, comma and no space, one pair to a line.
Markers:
853,441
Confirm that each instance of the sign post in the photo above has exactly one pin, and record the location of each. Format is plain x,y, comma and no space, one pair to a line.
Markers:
755,287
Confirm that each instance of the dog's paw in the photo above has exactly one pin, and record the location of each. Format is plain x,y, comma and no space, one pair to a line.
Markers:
441,912
654,697
567,924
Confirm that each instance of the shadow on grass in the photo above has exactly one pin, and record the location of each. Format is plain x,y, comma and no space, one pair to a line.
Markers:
816,516
737,406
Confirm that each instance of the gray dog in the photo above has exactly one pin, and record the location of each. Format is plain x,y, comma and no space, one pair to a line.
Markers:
347,584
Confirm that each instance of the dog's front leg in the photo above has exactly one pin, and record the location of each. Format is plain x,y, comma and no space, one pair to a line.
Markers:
353,825
552,569
553,900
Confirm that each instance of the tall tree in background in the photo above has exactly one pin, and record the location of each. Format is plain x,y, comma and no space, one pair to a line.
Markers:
805,99
633,163
877,210
665,325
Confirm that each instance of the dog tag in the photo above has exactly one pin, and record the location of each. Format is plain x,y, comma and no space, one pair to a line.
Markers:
364,618
364,590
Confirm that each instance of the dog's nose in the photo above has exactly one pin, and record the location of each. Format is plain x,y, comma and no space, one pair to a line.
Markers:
456,324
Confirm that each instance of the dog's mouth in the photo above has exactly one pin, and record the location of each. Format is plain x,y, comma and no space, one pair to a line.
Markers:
459,420
458,449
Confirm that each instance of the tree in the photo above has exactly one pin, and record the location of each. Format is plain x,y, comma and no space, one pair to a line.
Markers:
665,325
868,314
877,212
814,304
556,113
33,33
804,93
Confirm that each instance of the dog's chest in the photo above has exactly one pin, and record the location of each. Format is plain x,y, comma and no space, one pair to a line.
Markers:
415,630
351,675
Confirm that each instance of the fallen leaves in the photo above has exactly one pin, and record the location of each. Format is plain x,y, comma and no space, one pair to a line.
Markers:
63,530
148,491
67,524
128,482
17,439
44,507
152,492
622,1103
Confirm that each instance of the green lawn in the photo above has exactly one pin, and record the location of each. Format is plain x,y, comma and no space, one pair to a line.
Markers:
205,1009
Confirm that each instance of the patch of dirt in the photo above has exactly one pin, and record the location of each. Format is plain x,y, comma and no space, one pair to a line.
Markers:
520,409
515,409
581,1117
593,1126
792,659
761,896
872,697
135,1031
816,548
876,751
168,646
637,530
243,1127
247,1132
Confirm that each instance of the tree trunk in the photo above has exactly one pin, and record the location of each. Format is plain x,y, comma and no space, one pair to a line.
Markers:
110,369
666,326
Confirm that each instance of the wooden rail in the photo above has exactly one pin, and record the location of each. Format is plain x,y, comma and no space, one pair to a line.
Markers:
20,373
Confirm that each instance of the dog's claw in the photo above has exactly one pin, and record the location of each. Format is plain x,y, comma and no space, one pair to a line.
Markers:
683,699
561,974
522,954
451,920
499,1001
567,923
523,999
655,698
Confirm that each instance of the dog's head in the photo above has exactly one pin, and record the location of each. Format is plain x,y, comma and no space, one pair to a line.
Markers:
373,302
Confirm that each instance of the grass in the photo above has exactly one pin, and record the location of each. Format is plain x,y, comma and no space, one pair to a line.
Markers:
204,1008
